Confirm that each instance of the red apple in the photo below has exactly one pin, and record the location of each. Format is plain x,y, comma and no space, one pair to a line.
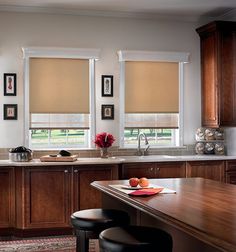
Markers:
143,182
133,182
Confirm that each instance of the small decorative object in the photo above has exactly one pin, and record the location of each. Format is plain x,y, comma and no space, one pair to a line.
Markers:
219,149
199,148
210,134
219,134
104,141
9,84
108,112
10,111
209,148
200,134
107,85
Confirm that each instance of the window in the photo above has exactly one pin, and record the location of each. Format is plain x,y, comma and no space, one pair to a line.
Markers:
59,97
152,86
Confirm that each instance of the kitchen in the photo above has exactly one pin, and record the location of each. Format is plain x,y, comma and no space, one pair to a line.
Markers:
24,27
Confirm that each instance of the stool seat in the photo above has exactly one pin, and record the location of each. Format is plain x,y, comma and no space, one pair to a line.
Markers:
135,239
90,222
98,219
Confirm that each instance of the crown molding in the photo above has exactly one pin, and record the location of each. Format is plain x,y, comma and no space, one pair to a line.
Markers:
61,52
116,14
153,56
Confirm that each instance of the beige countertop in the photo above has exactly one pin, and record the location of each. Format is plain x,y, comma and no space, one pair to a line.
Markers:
121,159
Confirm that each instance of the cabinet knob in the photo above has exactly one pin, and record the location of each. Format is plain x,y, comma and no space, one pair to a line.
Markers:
75,171
158,169
66,171
151,169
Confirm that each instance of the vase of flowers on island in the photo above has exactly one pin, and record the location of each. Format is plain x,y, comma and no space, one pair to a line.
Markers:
104,141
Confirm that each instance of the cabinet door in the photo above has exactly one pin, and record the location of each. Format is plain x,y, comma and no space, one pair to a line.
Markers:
206,169
170,170
89,197
138,170
7,197
209,80
231,177
228,76
47,196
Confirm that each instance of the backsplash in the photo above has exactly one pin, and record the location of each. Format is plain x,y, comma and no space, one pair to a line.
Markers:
113,151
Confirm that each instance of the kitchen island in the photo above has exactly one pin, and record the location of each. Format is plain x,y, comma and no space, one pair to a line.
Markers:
200,216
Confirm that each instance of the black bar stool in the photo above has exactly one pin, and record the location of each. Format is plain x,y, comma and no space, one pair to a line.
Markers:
89,223
135,239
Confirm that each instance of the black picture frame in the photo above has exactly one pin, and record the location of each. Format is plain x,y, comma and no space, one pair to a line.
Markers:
107,112
10,111
9,84
107,85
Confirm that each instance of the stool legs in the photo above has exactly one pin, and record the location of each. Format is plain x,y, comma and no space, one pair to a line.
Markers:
82,242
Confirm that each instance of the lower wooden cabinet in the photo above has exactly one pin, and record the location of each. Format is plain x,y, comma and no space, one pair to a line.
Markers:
48,195
231,172
154,170
214,170
7,197
85,196
46,201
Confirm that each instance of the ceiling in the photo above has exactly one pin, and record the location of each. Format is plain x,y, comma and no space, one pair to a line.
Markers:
192,9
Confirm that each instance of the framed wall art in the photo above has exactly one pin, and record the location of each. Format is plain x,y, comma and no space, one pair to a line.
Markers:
108,112
10,111
107,85
9,84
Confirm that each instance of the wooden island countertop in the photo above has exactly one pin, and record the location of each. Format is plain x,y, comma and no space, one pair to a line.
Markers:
201,208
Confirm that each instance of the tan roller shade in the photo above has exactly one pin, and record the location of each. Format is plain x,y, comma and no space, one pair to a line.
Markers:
59,85
151,87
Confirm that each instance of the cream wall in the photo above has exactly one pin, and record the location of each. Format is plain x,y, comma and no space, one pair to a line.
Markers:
108,34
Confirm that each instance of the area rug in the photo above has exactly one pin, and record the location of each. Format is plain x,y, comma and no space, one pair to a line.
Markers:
55,244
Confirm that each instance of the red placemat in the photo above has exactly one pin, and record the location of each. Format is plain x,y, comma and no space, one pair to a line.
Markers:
146,192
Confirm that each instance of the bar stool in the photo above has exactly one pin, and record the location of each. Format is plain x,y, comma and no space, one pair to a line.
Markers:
89,223
135,239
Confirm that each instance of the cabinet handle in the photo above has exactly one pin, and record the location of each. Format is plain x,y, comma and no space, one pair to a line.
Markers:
158,169
75,171
66,171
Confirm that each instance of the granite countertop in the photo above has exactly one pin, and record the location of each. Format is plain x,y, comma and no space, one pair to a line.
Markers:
121,159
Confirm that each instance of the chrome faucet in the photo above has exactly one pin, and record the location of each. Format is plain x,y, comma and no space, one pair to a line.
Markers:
140,152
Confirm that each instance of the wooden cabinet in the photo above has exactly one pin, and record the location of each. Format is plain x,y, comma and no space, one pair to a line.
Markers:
7,197
206,169
231,172
85,196
48,195
218,73
153,170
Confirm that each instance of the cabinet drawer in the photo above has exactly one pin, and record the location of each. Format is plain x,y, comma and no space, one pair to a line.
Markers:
231,166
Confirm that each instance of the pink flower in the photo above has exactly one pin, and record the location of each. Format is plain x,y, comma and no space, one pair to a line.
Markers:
104,140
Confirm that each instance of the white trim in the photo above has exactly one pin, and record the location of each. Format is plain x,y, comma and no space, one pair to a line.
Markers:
153,56
75,53
26,101
92,102
122,102
181,104
61,52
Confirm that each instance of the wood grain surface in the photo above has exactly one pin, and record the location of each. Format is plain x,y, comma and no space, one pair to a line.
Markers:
203,208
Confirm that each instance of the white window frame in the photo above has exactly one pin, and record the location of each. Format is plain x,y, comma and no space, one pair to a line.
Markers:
57,52
158,56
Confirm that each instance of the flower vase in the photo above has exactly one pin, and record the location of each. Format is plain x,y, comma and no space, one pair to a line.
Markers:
104,152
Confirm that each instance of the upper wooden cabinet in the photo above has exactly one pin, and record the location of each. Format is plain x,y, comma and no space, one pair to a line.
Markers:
218,73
